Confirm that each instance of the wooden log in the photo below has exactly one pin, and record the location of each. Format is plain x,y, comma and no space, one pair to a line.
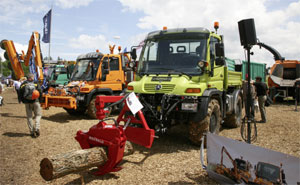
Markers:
76,161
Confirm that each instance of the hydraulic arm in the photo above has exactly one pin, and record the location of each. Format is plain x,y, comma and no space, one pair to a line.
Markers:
33,57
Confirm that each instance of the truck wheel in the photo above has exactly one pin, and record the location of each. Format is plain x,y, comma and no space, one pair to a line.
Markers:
76,112
234,120
91,111
210,123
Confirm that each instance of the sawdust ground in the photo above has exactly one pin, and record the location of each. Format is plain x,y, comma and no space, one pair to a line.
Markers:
171,160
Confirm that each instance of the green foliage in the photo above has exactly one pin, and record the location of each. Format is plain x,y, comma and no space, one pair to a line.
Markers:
6,71
6,65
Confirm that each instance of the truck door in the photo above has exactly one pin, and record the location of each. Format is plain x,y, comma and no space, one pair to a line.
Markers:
217,74
115,76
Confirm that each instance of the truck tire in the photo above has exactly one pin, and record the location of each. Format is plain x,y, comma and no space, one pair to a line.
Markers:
210,123
76,112
234,120
91,110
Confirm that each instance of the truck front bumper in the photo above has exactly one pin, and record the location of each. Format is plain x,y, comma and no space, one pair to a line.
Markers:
68,102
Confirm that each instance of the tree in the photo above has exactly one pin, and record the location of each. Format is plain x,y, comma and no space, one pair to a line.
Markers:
7,69
46,58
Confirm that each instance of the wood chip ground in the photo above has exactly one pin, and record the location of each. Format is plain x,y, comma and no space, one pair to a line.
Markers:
172,159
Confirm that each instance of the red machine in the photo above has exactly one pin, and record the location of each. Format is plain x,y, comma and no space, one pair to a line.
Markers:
134,128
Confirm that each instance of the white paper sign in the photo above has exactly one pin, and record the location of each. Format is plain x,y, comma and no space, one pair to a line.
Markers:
133,103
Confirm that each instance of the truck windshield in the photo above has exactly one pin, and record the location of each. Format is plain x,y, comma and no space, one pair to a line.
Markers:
85,69
58,71
172,56
268,172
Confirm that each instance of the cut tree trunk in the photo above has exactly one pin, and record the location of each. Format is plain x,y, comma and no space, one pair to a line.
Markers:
76,161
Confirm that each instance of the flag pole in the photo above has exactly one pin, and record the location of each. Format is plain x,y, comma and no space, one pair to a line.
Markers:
50,35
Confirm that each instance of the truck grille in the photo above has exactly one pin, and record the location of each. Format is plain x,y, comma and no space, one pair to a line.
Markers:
159,88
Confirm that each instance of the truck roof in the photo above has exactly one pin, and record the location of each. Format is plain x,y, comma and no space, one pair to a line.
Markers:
178,30
90,55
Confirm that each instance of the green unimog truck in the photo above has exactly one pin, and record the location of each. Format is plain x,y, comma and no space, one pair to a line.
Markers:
182,77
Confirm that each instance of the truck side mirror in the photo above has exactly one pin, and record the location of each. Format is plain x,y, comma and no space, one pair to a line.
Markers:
220,59
219,50
105,64
104,69
133,54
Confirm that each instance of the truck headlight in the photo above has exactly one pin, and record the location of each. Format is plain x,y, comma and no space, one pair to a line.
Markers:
189,106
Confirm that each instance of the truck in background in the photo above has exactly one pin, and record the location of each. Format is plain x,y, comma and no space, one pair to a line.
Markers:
59,74
283,75
257,68
94,74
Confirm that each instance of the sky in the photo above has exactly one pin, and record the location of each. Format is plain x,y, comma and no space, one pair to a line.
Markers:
81,26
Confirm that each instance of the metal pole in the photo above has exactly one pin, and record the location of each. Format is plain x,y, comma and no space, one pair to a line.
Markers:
50,36
249,99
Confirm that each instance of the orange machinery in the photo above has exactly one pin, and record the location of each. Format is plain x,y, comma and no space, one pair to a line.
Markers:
15,58
282,76
94,74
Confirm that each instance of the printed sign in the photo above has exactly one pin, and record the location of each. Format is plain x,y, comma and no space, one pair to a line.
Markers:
234,162
133,103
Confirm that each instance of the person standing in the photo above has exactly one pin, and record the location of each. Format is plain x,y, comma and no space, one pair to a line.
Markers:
253,96
262,90
17,85
1,89
31,99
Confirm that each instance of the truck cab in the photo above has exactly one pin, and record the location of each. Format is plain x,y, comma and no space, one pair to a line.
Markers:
57,75
182,77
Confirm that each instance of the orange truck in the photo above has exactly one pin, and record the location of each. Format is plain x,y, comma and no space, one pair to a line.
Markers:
95,74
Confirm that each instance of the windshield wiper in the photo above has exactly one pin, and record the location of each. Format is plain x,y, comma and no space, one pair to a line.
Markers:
184,73
174,70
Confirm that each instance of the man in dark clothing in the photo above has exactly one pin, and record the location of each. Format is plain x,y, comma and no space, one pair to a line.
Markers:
253,96
32,104
261,90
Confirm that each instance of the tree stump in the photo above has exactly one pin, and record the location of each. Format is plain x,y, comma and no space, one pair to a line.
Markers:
76,161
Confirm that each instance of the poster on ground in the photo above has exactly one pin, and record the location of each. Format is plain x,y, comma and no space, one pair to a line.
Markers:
234,162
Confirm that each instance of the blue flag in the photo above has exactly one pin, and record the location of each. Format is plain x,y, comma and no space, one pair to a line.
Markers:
47,27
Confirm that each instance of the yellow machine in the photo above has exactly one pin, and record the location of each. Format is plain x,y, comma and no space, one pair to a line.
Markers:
240,171
33,53
269,174
94,74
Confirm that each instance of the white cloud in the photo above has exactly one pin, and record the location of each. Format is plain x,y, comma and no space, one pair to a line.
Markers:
279,28
72,3
2,54
90,42
13,11
79,29
137,39
28,24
